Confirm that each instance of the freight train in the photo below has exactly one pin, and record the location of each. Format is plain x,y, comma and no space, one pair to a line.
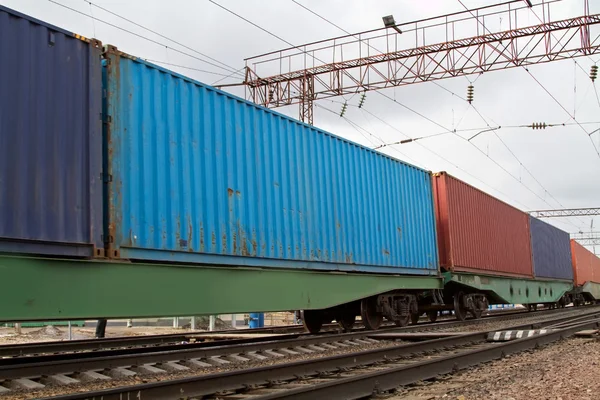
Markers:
128,190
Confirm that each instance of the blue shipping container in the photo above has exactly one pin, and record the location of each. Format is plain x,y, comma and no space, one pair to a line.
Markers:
551,248
50,139
201,176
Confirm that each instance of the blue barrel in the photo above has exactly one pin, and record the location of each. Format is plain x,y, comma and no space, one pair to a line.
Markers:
257,320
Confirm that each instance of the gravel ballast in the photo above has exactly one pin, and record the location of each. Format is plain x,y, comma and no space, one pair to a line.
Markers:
566,370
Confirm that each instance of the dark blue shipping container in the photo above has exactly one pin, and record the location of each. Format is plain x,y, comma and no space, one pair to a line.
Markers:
50,139
551,248
201,176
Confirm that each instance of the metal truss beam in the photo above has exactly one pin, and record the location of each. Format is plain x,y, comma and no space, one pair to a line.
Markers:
589,241
353,71
566,212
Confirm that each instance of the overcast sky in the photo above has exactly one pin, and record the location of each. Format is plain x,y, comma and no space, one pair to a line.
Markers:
562,160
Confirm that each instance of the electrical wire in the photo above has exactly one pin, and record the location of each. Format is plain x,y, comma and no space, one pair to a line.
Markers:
506,196
539,83
567,111
453,131
359,128
272,34
159,34
546,191
185,67
137,35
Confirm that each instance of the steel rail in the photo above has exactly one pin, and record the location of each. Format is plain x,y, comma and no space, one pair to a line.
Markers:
13,368
363,385
95,345
47,364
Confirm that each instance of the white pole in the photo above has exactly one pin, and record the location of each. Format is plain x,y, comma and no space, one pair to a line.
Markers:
18,328
193,323
129,323
175,322
70,331
233,320
211,323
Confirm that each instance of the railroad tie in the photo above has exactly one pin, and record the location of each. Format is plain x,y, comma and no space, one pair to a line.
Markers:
87,376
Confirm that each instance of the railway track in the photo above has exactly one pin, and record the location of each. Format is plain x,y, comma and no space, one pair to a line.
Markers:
352,375
91,345
22,374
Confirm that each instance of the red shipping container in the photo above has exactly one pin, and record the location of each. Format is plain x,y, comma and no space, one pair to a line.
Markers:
479,233
586,266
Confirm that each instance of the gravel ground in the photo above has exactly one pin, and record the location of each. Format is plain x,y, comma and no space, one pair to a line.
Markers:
54,334
566,370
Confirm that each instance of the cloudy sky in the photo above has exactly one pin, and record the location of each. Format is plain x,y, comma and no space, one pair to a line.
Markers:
532,169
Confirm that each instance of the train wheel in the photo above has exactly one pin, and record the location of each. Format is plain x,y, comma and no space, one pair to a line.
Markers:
312,320
432,315
346,321
368,312
459,310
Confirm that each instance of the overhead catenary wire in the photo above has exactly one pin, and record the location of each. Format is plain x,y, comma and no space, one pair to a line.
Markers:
538,82
458,167
184,67
139,35
546,191
159,34
409,139
271,33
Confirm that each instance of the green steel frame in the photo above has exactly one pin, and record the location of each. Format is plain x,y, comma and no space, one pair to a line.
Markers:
592,289
47,289
503,290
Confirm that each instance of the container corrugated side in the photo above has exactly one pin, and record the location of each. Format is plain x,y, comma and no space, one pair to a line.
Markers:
201,176
586,265
50,139
551,248
479,233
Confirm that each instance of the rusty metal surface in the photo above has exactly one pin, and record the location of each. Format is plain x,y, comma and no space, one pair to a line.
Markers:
551,249
479,233
50,139
586,265
199,175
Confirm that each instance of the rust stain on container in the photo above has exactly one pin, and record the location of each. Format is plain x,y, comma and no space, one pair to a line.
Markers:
201,237
476,229
190,234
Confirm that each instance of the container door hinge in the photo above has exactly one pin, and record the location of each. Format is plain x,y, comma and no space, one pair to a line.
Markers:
107,119
106,178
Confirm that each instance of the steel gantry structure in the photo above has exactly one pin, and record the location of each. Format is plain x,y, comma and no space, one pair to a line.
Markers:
565,212
475,41
587,238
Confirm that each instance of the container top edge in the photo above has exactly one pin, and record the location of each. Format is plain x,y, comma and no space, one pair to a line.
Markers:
547,223
111,49
441,173
34,20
